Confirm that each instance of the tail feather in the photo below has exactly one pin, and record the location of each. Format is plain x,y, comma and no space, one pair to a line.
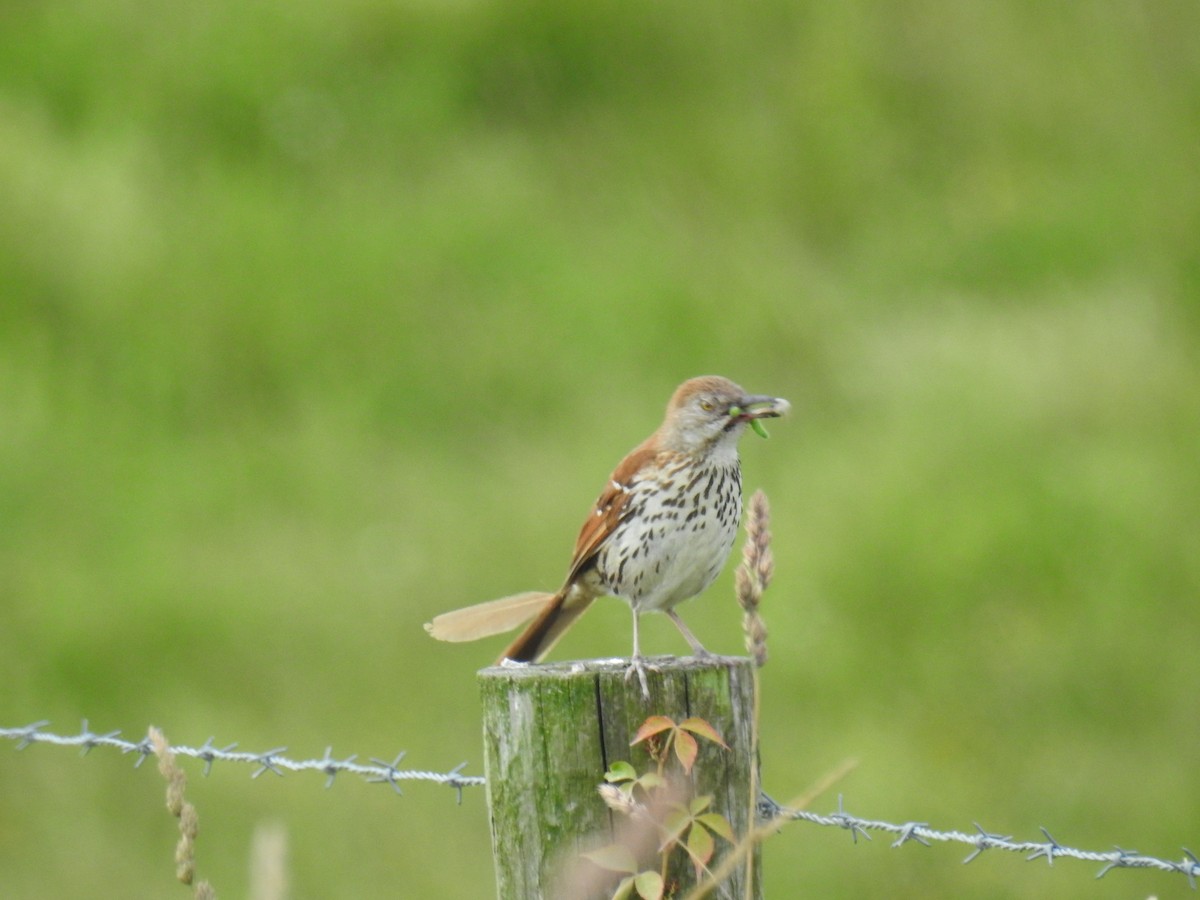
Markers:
493,617
552,622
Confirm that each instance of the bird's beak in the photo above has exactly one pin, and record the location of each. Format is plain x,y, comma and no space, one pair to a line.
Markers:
759,407
751,409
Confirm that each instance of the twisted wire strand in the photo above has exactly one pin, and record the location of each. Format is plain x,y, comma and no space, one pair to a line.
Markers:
981,840
384,772
376,771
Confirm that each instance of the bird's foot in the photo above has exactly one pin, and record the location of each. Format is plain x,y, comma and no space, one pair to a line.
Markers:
639,665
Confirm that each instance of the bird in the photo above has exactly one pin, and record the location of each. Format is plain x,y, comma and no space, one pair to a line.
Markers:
659,533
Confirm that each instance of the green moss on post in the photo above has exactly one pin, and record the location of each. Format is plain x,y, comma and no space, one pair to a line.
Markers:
550,732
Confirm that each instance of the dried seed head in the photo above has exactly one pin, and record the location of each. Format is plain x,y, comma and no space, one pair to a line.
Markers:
754,575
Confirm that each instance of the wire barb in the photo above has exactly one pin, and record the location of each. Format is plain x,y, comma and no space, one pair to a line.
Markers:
1119,861
266,762
208,753
333,766
28,734
1189,867
142,748
911,831
1047,850
391,772
853,824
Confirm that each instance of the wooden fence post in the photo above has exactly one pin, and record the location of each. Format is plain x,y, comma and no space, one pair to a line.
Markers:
551,731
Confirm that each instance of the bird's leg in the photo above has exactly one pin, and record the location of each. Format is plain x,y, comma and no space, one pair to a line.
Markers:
637,664
697,648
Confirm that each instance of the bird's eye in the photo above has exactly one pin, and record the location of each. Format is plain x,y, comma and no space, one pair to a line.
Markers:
706,405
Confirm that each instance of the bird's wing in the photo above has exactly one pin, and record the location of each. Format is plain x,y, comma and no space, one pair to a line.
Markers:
611,507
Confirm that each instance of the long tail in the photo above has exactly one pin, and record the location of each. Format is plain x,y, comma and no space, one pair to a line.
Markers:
552,615
552,622
485,619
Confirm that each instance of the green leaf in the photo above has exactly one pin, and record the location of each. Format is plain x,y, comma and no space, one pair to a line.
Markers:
614,857
620,771
649,885
624,889
651,780
700,845
674,824
718,824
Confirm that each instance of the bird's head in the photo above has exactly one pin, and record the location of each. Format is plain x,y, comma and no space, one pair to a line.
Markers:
711,411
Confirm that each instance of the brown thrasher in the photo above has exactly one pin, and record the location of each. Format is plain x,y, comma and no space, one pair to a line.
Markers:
659,533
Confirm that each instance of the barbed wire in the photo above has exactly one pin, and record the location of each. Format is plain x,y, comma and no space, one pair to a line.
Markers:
383,772
981,840
377,771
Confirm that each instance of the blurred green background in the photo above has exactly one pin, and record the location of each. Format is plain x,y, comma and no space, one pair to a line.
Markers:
319,319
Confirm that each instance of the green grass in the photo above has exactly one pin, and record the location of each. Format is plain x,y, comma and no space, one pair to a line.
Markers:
321,319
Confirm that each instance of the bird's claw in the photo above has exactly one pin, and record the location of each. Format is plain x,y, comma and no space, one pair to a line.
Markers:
639,665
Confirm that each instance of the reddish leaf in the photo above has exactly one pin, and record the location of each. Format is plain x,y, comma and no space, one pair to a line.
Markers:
652,726
686,749
702,728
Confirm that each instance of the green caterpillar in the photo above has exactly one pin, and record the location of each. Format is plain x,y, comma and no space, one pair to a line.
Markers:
756,424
